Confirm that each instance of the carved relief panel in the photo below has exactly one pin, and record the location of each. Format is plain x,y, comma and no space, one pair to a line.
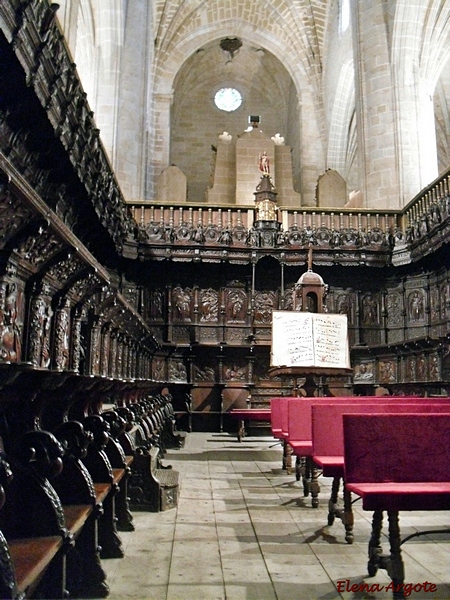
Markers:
62,337
235,372
177,370
265,303
40,322
208,306
159,369
11,320
387,371
182,304
235,305
203,373
415,303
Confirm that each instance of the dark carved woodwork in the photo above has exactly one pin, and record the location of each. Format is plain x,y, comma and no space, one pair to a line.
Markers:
8,585
75,486
100,469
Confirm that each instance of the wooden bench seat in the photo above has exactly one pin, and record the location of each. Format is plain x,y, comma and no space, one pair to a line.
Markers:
152,486
76,516
249,414
31,558
396,462
328,445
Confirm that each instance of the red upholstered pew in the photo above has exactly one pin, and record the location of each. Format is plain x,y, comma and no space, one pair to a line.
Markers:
300,433
396,462
328,443
279,426
248,414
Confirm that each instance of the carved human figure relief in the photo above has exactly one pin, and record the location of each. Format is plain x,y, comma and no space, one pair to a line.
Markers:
236,304
416,306
370,310
182,302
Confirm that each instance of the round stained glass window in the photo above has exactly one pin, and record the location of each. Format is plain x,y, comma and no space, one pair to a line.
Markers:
228,99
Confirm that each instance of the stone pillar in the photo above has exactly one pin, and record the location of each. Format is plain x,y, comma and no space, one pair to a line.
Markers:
224,183
287,196
375,105
159,149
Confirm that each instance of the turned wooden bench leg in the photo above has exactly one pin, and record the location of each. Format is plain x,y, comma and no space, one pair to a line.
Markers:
375,550
333,501
315,485
395,567
347,517
393,562
287,457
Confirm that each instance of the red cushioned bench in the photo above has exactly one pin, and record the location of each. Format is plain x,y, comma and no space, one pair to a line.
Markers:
279,426
248,414
396,462
300,433
328,444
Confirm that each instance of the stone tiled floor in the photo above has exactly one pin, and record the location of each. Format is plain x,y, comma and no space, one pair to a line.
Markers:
243,530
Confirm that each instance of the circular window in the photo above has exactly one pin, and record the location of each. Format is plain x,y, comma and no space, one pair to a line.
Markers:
228,99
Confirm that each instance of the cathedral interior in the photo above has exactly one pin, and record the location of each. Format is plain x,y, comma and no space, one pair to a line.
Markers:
166,169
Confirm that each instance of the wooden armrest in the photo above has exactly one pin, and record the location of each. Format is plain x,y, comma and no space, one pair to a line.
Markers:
76,516
129,460
31,557
101,491
118,474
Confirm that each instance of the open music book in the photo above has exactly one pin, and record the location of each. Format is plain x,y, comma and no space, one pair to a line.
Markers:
303,339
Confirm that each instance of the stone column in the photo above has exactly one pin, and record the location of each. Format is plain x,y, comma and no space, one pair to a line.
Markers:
375,105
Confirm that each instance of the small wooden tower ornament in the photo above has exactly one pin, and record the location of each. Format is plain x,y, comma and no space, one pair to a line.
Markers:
310,291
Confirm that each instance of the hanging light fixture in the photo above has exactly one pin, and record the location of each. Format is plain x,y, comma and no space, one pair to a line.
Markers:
231,46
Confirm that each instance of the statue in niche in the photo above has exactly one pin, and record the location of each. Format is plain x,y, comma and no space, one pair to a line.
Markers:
209,306
369,310
237,303
182,300
416,307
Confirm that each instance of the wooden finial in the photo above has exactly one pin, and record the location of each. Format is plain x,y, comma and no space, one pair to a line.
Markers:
310,258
